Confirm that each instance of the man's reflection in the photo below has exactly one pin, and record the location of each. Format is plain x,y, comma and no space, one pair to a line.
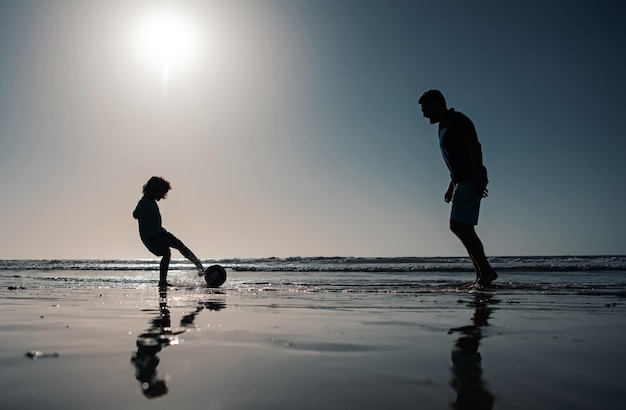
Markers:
467,372
159,335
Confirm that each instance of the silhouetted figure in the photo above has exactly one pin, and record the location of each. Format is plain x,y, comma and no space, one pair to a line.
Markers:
153,235
149,344
160,335
467,372
468,183
187,320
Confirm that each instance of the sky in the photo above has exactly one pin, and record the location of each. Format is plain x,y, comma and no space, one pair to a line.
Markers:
291,127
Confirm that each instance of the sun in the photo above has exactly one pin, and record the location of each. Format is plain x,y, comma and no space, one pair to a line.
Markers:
166,39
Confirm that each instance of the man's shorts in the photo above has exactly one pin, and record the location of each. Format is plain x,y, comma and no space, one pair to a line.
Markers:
465,203
161,243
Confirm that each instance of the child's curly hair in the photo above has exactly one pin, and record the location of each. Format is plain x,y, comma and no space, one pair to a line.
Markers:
156,188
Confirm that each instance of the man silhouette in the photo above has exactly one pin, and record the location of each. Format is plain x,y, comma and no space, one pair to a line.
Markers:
468,177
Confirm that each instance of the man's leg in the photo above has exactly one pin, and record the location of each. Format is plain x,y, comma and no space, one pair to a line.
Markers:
467,234
476,268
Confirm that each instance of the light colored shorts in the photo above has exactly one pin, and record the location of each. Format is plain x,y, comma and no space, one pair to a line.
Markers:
465,203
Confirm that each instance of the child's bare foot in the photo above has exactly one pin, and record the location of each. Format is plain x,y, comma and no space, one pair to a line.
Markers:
164,285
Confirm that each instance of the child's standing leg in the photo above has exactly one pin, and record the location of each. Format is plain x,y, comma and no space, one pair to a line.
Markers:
164,267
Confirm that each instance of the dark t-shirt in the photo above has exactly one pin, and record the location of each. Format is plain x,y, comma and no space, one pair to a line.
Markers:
149,218
457,137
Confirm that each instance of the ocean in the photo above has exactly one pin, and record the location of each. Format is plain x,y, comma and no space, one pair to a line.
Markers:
312,332
598,275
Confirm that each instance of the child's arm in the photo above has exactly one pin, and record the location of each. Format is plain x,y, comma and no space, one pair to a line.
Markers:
137,211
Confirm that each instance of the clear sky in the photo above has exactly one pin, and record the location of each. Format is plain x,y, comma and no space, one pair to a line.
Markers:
291,128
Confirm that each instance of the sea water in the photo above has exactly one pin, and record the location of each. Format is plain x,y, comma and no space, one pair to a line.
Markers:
575,275
394,331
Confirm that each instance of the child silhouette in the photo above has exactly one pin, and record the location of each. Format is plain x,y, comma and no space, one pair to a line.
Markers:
153,235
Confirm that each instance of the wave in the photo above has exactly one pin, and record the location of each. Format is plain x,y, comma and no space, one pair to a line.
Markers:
337,264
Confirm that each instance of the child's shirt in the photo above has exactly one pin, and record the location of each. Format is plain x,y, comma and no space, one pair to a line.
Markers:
149,218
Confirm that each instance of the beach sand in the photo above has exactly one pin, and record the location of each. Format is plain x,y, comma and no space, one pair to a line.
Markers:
253,349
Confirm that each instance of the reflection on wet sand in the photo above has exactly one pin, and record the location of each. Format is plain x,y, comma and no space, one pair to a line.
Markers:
160,335
467,372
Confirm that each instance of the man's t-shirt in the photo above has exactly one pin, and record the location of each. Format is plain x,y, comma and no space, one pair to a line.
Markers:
453,131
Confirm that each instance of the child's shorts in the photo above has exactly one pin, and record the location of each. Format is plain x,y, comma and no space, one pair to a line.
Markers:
161,243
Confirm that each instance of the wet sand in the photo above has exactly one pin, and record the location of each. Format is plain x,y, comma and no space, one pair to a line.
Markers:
234,349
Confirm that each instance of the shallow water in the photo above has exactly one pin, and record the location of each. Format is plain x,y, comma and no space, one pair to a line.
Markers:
592,276
310,339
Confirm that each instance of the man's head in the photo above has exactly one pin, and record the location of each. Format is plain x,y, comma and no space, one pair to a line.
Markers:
433,105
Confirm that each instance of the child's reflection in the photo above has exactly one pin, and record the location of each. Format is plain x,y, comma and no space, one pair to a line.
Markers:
467,372
159,335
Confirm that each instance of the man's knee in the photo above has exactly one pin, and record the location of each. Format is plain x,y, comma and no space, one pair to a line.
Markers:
454,227
461,228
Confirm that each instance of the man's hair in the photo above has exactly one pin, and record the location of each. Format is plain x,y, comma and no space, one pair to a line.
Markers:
432,97
156,186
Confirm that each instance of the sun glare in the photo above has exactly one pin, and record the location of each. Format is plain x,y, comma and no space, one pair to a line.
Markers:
166,40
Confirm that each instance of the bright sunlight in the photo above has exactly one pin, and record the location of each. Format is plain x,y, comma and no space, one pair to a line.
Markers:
166,39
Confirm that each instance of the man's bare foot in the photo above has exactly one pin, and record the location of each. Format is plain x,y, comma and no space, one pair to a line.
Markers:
486,281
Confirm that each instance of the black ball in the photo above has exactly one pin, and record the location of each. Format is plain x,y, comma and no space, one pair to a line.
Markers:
215,276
